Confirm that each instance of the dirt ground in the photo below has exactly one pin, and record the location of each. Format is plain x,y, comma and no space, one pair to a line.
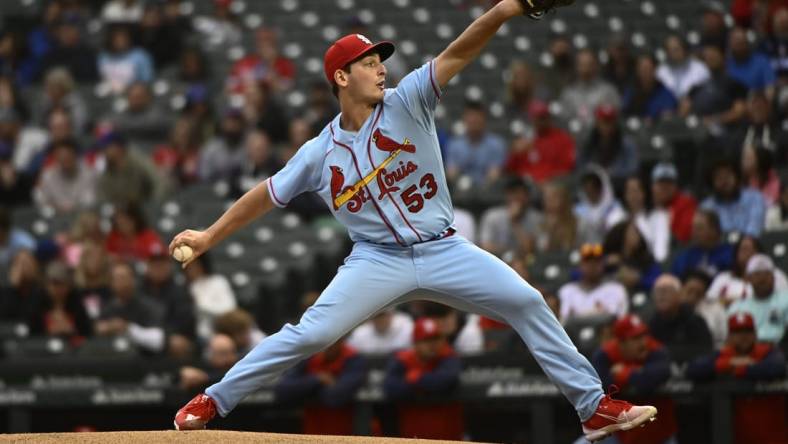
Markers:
198,437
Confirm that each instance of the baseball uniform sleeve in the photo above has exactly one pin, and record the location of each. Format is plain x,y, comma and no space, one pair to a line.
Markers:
420,93
300,175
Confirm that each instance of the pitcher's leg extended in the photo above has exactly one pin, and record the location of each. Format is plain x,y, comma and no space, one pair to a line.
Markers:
370,280
475,280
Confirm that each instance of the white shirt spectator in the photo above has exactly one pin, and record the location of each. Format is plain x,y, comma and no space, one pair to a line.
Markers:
367,340
730,288
122,11
606,298
465,224
213,296
470,341
716,319
682,78
654,225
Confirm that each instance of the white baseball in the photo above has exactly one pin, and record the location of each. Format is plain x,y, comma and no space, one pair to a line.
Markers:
182,253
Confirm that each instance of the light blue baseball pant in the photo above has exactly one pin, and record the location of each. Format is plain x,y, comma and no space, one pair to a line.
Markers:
377,276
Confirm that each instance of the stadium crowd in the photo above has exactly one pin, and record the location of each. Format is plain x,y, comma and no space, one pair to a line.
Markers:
687,237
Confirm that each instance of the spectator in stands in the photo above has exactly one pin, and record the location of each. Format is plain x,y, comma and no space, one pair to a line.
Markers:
674,323
550,154
588,91
713,29
654,225
178,160
85,229
25,142
131,313
131,238
58,312
693,294
560,226
633,358
13,62
522,89
747,66
59,93
173,300
647,97
321,107
20,287
260,163
224,153
162,22
597,209
667,197
92,277
619,68
122,11
608,147
220,356
462,331
129,176
69,185
387,332
592,294
220,30
262,109
776,44
211,292
12,239
776,215
298,134
758,173
707,250
266,65
71,52
142,118
681,72
15,187
327,383
192,69
239,325
741,209
478,153
756,418
60,129
516,225
731,286
721,100
561,73
761,131
768,307
431,367
628,256
121,64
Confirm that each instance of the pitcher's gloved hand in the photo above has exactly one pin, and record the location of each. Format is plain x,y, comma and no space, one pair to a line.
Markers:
536,9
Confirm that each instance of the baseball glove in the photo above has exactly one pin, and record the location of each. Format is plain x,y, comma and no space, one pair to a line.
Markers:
536,9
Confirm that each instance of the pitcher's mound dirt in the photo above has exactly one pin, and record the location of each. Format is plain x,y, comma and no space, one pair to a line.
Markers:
199,437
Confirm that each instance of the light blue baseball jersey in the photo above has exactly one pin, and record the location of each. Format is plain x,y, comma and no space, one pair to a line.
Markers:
405,198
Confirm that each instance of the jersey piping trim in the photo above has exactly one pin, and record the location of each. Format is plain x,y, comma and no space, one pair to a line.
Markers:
374,202
272,193
432,80
388,193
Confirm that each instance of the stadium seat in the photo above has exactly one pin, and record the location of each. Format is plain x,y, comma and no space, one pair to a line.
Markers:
109,347
35,347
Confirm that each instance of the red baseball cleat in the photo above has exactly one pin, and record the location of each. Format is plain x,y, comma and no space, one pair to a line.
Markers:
613,416
195,414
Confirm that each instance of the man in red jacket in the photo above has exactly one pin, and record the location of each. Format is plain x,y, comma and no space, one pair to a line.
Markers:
327,382
429,368
550,154
758,419
668,196
634,359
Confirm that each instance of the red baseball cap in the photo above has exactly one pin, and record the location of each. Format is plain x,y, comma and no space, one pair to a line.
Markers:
352,47
741,321
537,109
425,328
606,112
629,326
